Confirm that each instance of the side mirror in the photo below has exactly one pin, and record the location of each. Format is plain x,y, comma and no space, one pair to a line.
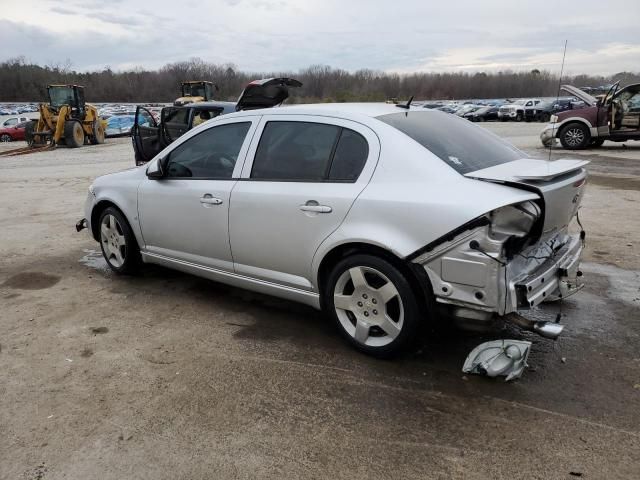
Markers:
155,170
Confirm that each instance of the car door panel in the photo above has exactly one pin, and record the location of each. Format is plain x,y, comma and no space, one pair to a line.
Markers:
276,226
175,223
188,218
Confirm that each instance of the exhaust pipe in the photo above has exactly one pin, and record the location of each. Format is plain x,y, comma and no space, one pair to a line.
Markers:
548,329
544,329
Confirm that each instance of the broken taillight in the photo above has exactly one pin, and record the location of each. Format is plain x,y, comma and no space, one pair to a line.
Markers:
580,182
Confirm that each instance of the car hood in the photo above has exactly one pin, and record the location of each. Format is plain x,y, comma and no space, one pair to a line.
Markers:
560,183
584,96
265,93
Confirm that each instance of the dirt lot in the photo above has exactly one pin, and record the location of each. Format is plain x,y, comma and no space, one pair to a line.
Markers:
167,376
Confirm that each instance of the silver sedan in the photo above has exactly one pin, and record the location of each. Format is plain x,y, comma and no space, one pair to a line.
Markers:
385,217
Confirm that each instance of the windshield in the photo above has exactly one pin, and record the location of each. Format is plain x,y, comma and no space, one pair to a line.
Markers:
519,102
193,90
61,96
459,143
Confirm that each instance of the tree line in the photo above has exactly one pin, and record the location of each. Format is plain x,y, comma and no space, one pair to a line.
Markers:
22,81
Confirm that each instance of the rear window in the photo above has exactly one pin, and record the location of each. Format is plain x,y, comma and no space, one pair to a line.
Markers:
460,144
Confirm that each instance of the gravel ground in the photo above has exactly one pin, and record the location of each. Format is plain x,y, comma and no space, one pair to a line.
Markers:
169,376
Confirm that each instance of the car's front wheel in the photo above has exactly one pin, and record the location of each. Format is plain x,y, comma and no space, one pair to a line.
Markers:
118,243
5,137
575,136
373,305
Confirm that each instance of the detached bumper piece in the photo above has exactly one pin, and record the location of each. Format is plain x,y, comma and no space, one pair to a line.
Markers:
506,358
81,225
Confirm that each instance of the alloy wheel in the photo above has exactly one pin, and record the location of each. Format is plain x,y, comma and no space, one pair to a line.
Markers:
5,138
368,306
114,244
574,137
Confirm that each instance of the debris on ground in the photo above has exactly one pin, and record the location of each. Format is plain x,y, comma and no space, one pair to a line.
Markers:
498,358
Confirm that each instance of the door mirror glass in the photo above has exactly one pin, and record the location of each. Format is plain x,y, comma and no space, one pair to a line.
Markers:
155,169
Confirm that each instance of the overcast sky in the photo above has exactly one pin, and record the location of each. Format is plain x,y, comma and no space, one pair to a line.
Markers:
282,35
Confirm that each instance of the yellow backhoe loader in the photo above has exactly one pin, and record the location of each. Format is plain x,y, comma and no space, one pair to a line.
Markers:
66,119
195,91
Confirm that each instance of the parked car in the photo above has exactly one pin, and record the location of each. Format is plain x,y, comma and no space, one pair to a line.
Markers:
13,121
446,109
616,117
119,125
467,108
483,114
150,136
13,133
543,111
515,110
382,216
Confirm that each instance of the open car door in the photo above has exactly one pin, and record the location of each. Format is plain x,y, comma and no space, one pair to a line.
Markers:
174,122
145,135
266,93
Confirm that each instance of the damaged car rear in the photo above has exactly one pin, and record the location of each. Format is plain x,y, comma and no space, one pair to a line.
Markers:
513,257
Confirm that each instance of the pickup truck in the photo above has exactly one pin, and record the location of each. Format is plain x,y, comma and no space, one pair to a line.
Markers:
543,111
515,110
614,117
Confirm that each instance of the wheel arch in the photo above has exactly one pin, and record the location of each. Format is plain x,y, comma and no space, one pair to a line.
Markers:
571,120
416,277
97,210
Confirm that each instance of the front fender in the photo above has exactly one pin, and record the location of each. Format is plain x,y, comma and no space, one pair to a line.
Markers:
121,190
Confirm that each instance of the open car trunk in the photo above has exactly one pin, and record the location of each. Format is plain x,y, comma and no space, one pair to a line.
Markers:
265,93
560,184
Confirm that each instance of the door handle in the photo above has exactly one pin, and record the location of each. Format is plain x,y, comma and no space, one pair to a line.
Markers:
313,206
208,199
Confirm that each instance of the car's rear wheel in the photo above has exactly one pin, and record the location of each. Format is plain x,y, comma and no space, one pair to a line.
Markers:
118,243
5,137
575,136
519,117
373,305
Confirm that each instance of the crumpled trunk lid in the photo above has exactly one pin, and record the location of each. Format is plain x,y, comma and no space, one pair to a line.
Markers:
560,183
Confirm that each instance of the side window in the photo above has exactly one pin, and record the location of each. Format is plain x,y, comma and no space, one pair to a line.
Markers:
210,154
201,116
11,121
176,115
350,156
295,151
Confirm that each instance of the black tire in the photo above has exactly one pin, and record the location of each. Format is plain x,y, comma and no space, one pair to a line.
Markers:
98,133
73,133
596,142
128,261
575,136
519,117
29,128
403,308
545,117
5,137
